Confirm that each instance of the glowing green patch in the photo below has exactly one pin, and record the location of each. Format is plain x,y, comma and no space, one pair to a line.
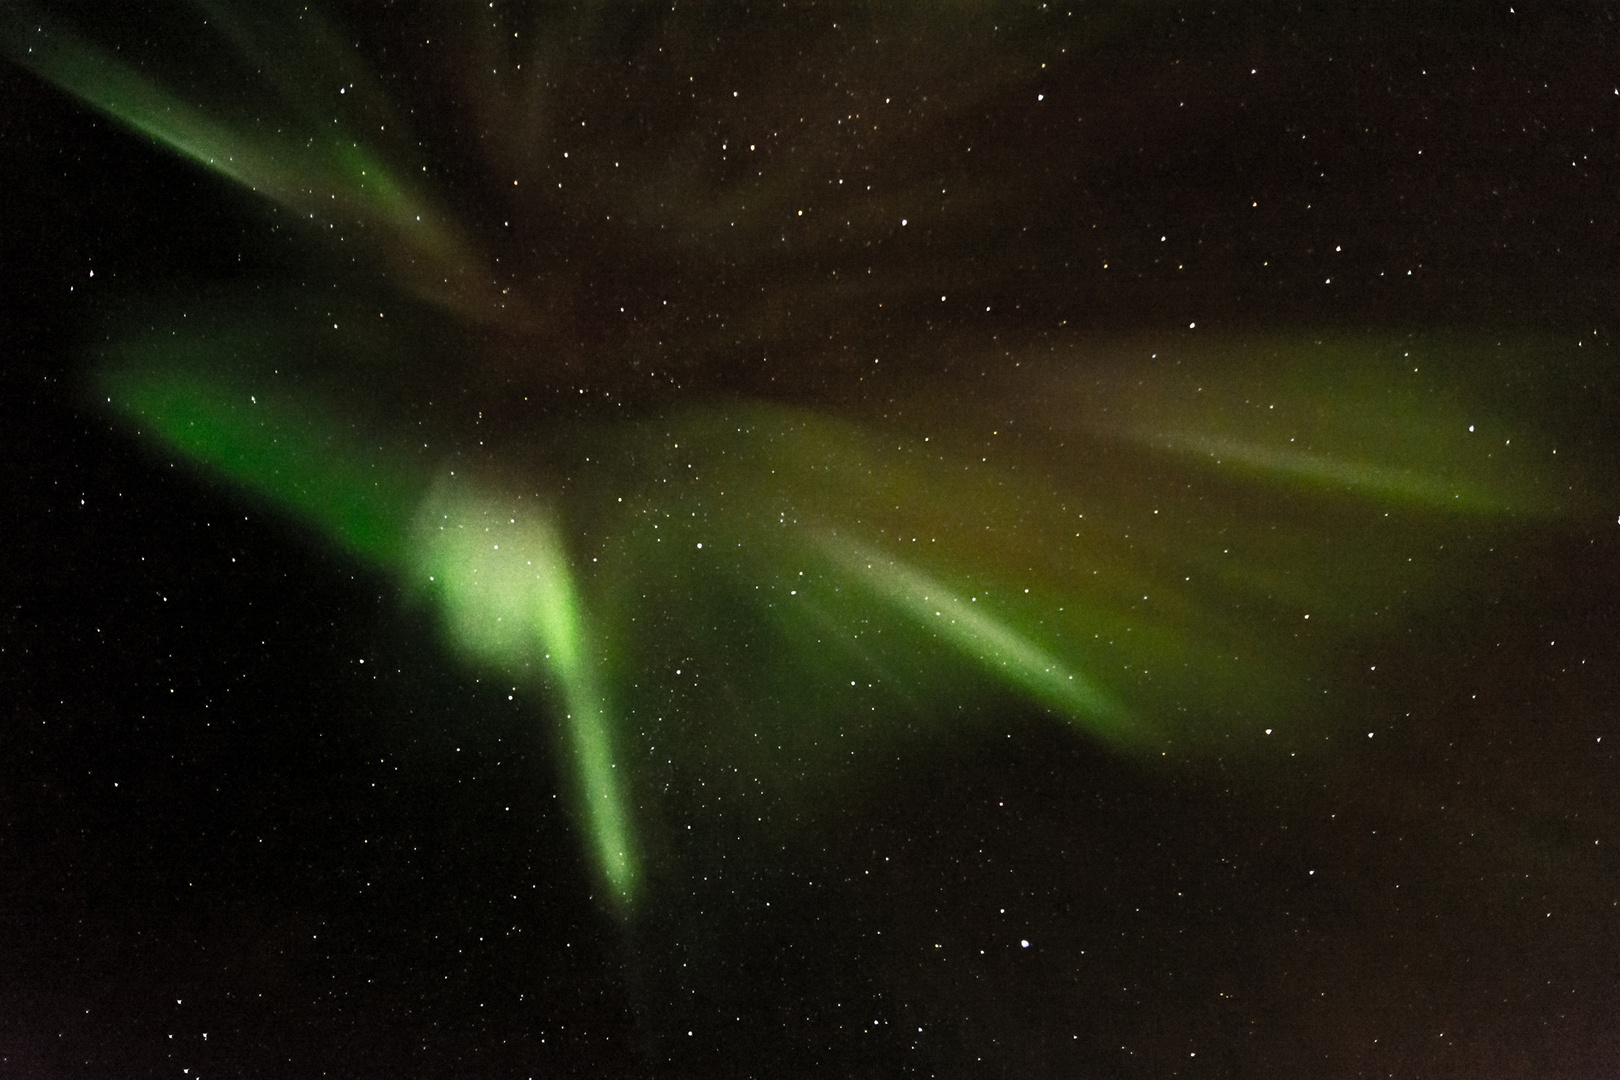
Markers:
315,467
501,574
500,570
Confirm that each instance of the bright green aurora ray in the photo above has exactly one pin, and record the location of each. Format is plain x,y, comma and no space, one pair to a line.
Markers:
747,576
509,595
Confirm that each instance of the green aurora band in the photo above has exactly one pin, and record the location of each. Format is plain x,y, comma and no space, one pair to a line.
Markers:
775,588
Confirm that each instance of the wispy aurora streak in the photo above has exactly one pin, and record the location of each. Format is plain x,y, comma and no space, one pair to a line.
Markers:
991,641
761,576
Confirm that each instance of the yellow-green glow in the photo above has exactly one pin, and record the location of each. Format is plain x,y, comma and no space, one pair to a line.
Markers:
774,589
1382,419
1386,483
500,570
986,638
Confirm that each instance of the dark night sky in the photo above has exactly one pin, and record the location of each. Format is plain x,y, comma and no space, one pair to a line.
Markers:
244,793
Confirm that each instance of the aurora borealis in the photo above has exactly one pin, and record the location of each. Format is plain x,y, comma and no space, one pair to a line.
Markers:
805,433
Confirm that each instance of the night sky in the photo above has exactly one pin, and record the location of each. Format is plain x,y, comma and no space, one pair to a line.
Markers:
868,311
